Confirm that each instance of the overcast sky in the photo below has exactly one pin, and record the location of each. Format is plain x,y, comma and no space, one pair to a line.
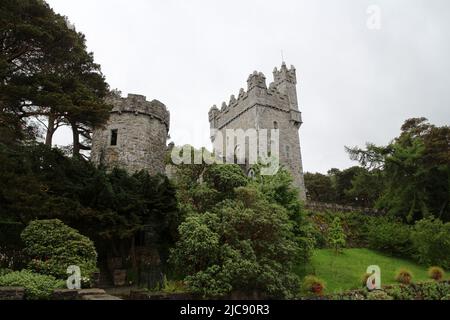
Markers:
355,84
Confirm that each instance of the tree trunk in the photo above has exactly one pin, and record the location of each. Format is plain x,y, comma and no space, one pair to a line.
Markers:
76,139
50,130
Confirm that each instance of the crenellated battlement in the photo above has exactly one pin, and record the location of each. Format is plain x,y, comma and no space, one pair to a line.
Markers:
257,94
285,75
139,105
265,107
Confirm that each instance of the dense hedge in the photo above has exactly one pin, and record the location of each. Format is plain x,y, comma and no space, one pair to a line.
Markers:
37,286
431,290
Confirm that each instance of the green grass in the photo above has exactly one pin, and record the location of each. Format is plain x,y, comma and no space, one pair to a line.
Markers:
344,271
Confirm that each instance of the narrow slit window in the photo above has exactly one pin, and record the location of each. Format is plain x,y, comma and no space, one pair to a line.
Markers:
114,137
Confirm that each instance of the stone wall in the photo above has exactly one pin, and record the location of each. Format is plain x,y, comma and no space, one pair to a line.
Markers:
262,107
12,293
142,129
324,207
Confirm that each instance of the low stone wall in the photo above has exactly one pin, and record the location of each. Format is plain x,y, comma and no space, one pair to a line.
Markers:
143,295
12,293
83,294
333,207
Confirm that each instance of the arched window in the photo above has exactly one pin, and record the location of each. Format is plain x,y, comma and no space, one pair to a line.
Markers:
275,125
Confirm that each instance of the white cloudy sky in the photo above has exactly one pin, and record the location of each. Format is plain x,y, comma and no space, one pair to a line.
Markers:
355,84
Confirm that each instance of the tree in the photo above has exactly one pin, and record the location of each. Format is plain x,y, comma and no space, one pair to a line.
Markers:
112,208
416,167
336,236
46,74
367,187
243,245
319,187
53,247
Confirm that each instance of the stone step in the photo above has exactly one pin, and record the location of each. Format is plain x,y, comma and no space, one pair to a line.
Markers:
100,297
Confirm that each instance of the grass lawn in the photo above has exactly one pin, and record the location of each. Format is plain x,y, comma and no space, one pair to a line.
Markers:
344,271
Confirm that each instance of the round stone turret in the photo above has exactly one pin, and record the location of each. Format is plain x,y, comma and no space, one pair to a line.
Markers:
135,136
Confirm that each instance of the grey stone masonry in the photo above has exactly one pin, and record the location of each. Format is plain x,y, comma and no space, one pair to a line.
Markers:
273,107
12,293
135,136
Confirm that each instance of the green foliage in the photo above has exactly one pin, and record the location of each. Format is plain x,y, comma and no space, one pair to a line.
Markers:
343,272
431,242
46,71
312,285
436,273
52,247
416,171
173,286
278,189
4,271
402,292
404,276
420,291
336,236
319,187
225,178
366,188
37,286
356,226
417,291
378,295
355,186
390,237
243,244
111,208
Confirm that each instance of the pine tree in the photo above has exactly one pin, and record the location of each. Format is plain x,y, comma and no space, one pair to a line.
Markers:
336,236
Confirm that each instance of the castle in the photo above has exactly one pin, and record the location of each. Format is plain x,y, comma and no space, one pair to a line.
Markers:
135,137
262,107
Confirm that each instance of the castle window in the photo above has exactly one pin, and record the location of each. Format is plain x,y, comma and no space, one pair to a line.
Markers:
288,152
275,125
114,137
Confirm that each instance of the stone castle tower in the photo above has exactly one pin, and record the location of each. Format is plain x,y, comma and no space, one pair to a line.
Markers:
135,136
273,107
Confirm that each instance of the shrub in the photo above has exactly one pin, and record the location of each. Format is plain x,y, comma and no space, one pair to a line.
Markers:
402,292
5,271
37,286
172,286
242,245
436,273
390,237
52,247
378,295
429,291
313,285
336,236
431,242
404,276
